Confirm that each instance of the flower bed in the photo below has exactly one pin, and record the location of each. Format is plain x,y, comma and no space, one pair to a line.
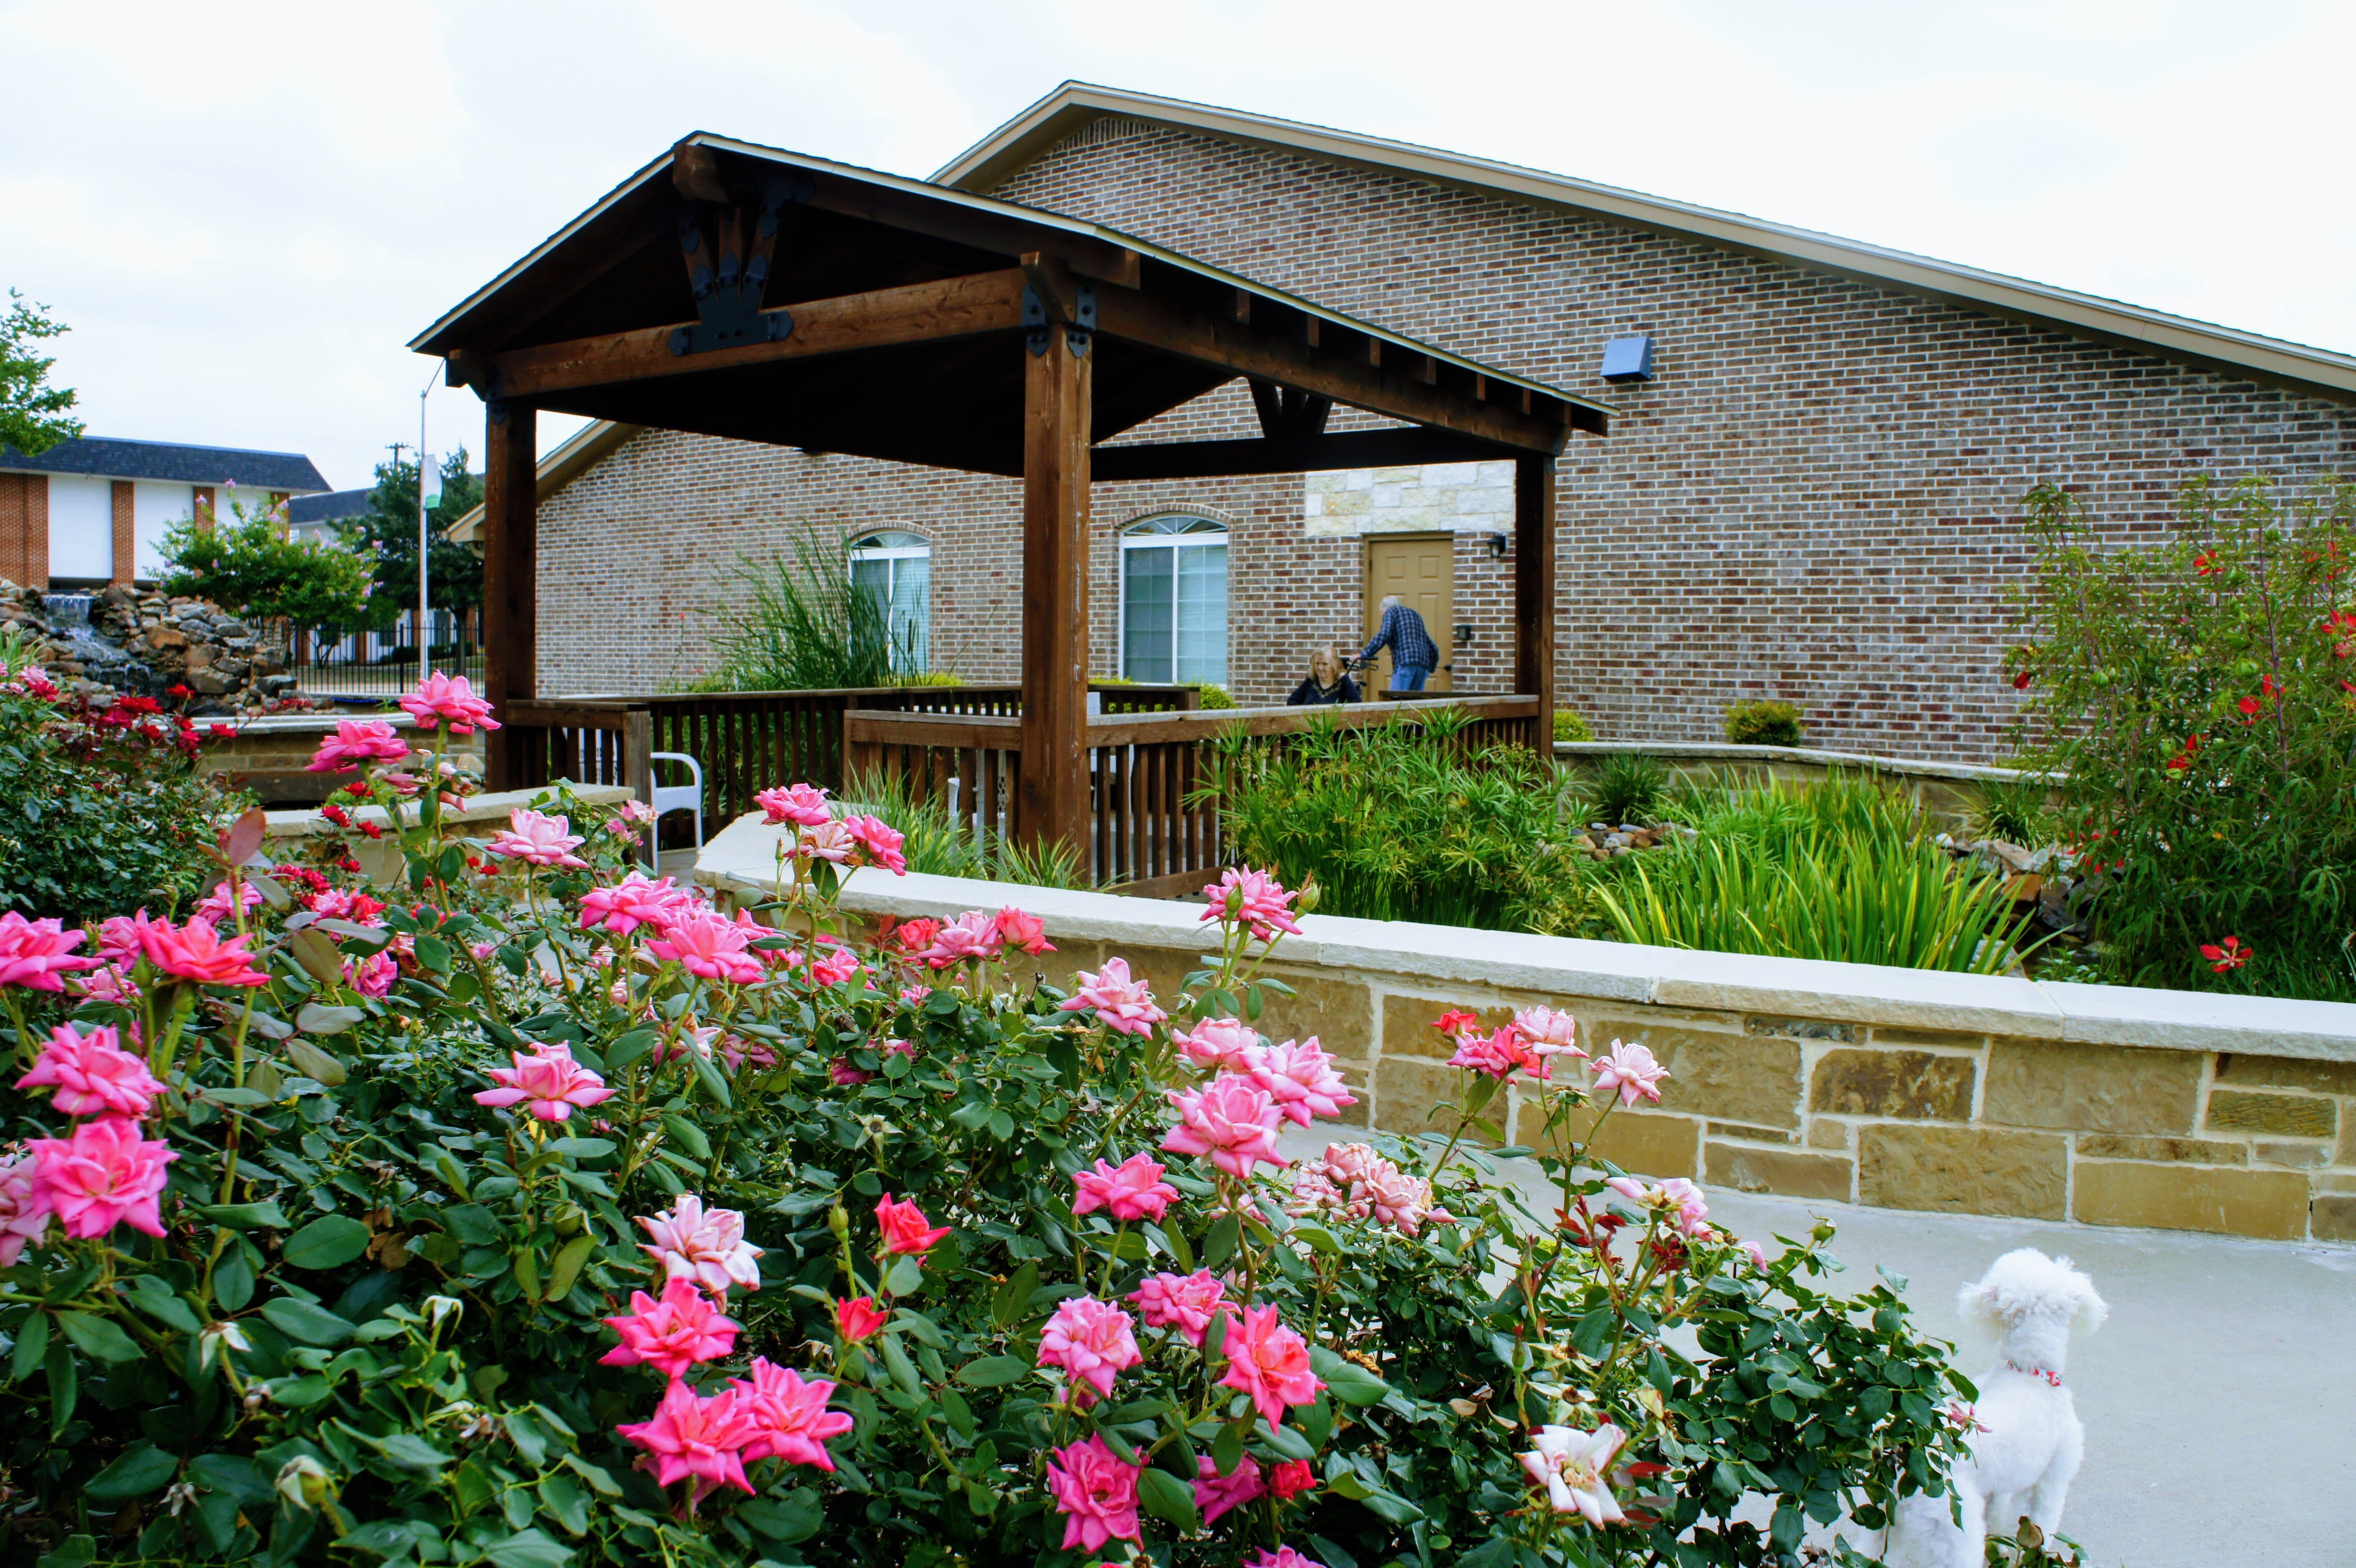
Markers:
545,1214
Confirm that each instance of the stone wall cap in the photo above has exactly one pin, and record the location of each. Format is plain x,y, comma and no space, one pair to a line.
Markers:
1513,960
1729,751
2205,1021
305,821
1859,993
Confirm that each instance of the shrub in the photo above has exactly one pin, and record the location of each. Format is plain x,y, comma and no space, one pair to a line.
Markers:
1213,697
2016,811
1569,726
1624,787
1395,823
937,843
1764,723
102,807
2198,697
460,1188
252,566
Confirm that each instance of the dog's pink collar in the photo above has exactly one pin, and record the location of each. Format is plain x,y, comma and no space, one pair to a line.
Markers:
2048,1375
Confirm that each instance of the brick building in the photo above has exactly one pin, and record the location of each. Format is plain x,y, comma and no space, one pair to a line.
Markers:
91,512
1813,497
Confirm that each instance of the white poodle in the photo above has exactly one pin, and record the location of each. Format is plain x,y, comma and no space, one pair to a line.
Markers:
2028,1439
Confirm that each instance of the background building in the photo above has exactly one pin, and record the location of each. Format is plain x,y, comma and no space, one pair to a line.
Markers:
1811,492
91,511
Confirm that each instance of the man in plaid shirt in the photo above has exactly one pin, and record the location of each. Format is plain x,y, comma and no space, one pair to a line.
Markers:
1413,657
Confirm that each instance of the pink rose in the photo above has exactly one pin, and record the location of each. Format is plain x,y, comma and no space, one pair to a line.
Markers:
24,1212
672,1334
1123,1005
1091,1340
92,1075
1269,1362
1217,1042
103,1176
356,742
441,698
1549,1031
214,905
1132,1190
879,841
698,1437
1630,1069
196,953
710,946
33,953
788,1417
707,1247
634,901
550,1078
1020,928
1232,1121
971,936
1253,897
905,1228
1095,1493
1186,1303
537,839
1300,1077
1215,1493
797,804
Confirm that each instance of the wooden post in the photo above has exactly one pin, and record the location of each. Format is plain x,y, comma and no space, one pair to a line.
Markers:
1533,584
511,580
639,773
1055,430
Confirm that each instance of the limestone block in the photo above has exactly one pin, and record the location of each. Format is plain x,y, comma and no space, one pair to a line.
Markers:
1917,1084
2272,1204
1802,1029
1824,1133
1749,1134
1407,1020
2284,1115
1650,1145
2191,1151
1338,1009
1409,1088
1885,1036
2090,1089
1785,1171
2335,1218
1961,1170
2293,1156
1728,1078
2287,1072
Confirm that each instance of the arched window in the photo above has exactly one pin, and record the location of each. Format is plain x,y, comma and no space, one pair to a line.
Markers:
1173,600
896,568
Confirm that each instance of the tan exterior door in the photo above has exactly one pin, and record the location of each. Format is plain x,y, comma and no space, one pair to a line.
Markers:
1420,568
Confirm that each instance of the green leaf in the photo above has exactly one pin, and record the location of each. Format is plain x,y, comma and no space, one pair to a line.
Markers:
906,1276
434,954
318,956
97,1338
529,1549
137,1473
993,1372
687,1134
1013,1297
629,1048
328,1242
74,1552
321,1018
32,1344
411,1452
65,1386
707,1073
233,1281
1351,1383
1227,1448
1002,1126
788,1520
264,1216
566,1269
903,1370
1221,1243
300,1320
583,1148
1167,1497
596,1475
158,1303
315,1063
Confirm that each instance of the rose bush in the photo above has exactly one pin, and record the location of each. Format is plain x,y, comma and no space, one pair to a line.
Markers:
540,1212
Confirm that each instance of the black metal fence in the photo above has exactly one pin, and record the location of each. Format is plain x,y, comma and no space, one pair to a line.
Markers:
370,664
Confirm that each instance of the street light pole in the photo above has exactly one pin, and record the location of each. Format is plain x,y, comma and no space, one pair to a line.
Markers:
424,593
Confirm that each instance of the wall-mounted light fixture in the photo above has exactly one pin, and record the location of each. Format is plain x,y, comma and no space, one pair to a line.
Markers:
1628,359
1496,543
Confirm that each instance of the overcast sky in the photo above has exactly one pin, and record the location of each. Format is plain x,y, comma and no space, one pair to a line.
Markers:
245,210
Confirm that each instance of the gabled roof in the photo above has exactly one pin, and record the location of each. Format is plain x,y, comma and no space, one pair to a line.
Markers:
1014,145
109,459
335,505
883,317
564,462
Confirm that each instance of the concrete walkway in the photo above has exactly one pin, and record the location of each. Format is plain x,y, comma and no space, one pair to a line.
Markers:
2220,1399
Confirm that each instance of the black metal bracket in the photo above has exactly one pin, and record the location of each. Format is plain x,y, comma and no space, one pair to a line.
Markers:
1079,332
728,291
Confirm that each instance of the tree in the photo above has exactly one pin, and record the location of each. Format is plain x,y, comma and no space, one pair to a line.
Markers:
388,532
32,412
253,567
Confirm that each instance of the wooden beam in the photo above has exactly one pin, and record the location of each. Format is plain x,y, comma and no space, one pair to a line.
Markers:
949,308
948,219
1056,394
1173,328
1267,401
695,173
1053,284
1534,588
510,537
1346,449
1241,309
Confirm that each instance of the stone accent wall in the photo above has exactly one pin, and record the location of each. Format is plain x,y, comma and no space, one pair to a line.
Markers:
1843,1083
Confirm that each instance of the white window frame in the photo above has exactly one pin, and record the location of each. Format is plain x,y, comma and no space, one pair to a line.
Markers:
906,546
1167,531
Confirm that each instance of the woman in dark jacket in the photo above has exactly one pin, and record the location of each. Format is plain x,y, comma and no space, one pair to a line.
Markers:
1326,682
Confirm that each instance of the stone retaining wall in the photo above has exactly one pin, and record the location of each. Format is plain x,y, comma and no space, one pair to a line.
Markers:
1852,1083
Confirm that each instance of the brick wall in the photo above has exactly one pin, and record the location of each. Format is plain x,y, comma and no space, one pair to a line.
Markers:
1816,499
24,529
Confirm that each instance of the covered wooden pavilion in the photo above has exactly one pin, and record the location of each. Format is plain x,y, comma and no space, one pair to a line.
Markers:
740,291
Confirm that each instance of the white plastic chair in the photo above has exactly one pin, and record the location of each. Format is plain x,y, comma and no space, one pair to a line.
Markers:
674,798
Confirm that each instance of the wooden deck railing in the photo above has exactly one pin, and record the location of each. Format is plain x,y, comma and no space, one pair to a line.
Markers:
1144,834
